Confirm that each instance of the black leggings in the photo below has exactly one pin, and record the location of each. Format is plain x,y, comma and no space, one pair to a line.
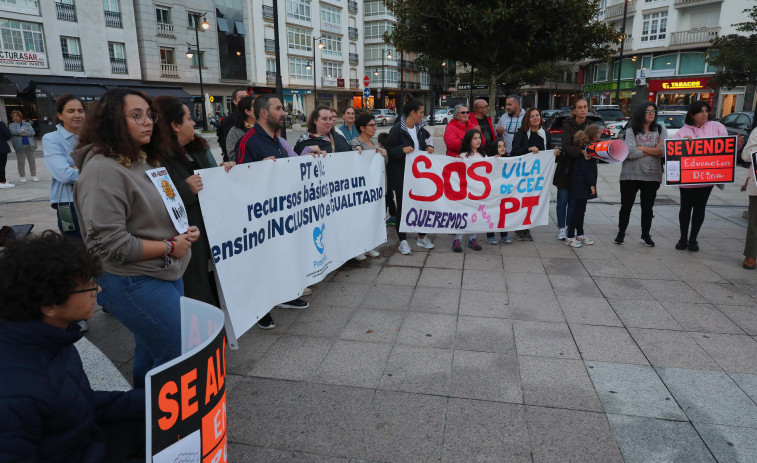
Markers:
398,192
3,161
576,225
628,190
692,199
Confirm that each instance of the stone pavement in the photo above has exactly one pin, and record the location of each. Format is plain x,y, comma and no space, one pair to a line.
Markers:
528,352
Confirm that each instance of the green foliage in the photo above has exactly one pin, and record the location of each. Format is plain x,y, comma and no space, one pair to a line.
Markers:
734,54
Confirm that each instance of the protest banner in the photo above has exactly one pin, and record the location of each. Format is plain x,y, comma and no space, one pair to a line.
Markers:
186,397
450,195
700,161
754,166
276,227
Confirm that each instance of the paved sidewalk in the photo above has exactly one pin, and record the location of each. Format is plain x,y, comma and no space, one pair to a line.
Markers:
528,352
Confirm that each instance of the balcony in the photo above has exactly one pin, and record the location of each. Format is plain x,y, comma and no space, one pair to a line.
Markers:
169,70
72,62
699,36
649,5
165,30
627,45
270,77
268,13
409,65
352,33
354,58
352,6
354,83
413,85
687,3
113,19
270,46
118,66
65,12
616,11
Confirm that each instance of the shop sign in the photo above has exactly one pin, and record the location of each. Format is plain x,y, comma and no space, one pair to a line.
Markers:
340,83
297,91
624,84
329,81
22,59
649,73
475,87
679,84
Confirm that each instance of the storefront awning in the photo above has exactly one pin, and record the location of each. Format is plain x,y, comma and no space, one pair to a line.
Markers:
83,91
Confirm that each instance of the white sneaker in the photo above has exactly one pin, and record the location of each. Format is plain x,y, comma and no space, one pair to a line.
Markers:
372,253
561,234
307,291
23,180
359,257
35,179
584,240
425,243
7,185
405,248
572,242
83,326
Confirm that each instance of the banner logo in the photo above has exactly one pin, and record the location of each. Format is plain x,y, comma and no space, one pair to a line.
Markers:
318,238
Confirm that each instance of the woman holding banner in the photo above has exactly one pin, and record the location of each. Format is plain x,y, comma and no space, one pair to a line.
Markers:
320,136
125,220
642,169
699,124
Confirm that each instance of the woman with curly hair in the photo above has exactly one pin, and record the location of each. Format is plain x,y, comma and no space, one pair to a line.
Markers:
187,153
124,220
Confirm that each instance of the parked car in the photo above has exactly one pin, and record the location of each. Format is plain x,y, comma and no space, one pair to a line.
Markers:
738,123
442,116
672,121
553,126
384,116
548,112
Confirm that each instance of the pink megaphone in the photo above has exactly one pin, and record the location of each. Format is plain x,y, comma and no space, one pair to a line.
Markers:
612,151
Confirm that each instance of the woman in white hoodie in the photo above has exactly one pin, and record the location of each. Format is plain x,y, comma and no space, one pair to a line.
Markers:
750,247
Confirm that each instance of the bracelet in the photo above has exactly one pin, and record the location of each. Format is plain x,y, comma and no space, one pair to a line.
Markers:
170,248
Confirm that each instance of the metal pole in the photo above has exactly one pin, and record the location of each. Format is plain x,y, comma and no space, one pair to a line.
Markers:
315,88
383,77
401,105
279,84
622,44
199,67
470,107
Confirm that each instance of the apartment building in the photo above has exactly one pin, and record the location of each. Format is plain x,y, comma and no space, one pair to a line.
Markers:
664,54
53,47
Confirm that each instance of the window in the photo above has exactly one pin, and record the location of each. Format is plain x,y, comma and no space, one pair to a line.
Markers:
70,46
298,9
297,68
692,63
333,45
331,69
628,69
198,59
600,72
376,29
668,61
23,3
270,65
116,50
21,35
654,27
111,5
191,19
167,56
163,15
646,62
375,8
299,38
712,67
373,52
331,18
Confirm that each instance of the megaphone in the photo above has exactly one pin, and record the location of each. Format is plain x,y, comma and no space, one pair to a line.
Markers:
612,151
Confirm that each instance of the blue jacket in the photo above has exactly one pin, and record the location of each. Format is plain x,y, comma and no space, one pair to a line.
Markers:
49,411
584,177
5,135
57,147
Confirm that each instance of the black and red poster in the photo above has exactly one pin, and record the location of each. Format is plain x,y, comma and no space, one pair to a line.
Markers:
700,161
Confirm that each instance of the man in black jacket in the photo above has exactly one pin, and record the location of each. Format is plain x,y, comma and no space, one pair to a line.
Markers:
228,121
5,135
406,137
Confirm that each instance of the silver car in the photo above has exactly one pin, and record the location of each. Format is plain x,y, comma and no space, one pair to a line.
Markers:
384,116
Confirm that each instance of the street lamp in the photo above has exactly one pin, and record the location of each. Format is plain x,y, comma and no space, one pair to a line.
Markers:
309,67
191,52
388,55
622,45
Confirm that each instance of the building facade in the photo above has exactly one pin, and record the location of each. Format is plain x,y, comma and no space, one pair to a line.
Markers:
664,55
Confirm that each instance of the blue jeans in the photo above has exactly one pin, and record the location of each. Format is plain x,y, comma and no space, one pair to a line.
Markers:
149,308
565,207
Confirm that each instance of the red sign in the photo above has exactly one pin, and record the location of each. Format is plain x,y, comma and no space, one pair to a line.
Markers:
700,161
340,82
668,85
366,81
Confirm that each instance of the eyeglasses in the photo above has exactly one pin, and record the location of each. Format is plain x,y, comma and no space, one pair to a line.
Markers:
464,112
372,124
95,289
650,111
141,118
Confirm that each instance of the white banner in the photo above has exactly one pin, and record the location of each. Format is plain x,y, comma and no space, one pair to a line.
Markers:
275,227
450,195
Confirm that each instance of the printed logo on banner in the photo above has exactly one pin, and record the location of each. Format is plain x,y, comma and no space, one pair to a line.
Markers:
318,238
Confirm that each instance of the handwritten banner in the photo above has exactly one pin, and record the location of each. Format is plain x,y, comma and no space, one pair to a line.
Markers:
700,161
449,195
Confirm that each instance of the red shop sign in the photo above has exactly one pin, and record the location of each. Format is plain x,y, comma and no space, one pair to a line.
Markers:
671,85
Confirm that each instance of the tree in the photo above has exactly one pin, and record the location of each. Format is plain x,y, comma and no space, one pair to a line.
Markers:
734,54
511,42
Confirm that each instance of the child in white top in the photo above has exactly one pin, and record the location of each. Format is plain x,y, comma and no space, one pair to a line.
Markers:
470,148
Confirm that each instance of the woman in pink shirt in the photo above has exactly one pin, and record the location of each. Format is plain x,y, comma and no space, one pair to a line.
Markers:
694,198
470,148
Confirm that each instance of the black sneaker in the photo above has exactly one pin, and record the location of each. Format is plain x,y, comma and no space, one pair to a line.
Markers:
647,241
693,246
295,304
266,323
681,244
620,238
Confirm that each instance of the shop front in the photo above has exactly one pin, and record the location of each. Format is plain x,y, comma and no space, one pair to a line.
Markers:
730,100
679,92
604,94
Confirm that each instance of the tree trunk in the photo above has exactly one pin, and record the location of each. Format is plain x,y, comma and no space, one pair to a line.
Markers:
493,97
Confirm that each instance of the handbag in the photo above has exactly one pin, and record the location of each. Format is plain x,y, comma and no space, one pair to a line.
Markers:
67,222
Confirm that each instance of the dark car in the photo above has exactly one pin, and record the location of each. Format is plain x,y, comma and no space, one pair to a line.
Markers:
739,124
553,126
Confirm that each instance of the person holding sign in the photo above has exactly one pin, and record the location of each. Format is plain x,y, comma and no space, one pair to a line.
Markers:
699,124
750,247
642,169
132,224
406,137
470,148
321,136
584,186
48,408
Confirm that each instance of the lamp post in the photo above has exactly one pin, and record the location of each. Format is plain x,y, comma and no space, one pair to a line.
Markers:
388,55
622,45
309,67
190,54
